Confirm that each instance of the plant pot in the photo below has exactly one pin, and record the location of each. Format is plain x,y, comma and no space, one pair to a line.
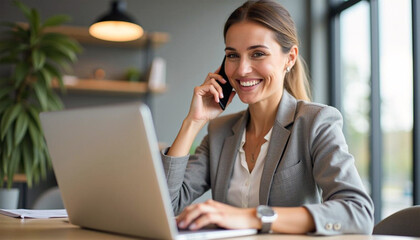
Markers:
9,198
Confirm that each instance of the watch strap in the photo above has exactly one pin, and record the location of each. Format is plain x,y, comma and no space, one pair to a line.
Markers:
265,227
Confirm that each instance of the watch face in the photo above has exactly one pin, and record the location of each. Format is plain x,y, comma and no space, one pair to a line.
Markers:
266,211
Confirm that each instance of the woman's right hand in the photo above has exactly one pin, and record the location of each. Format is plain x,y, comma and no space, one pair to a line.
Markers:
205,101
204,107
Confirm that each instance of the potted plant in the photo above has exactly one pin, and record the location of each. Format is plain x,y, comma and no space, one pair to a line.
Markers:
36,59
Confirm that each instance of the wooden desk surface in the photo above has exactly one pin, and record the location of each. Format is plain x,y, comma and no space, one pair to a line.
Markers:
59,228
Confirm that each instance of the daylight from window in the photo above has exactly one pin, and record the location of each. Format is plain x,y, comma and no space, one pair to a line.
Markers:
396,77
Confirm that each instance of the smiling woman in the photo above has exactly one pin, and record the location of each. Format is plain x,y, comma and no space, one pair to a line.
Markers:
280,166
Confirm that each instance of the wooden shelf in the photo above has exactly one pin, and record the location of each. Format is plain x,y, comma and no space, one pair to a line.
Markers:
108,86
81,34
18,178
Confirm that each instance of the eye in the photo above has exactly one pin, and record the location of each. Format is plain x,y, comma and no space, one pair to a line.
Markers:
258,54
232,55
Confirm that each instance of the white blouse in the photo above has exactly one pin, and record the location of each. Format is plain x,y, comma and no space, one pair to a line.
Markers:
244,186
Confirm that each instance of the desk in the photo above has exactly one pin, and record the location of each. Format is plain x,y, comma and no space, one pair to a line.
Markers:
59,228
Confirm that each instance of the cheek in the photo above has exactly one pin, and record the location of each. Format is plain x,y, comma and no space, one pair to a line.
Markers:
267,70
229,69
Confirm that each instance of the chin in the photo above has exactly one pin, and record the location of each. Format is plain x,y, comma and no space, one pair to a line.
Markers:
247,99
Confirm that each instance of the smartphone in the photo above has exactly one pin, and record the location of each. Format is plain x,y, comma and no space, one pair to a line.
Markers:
227,88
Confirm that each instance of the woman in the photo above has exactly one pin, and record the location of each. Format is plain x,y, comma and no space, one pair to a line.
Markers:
280,166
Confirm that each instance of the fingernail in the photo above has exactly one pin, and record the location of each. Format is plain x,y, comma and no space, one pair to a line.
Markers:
221,95
181,224
193,226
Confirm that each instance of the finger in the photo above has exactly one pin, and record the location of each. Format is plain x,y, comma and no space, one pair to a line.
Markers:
207,89
218,87
204,220
217,77
215,93
191,213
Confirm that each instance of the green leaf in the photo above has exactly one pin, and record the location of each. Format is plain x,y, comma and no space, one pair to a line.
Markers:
9,142
21,127
46,76
41,94
21,71
56,20
27,160
34,133
34,113
38,59
61,50
13,166
55,101
56,56
9,116
35,25
57,74
5,160
67,52
54,39
25,9
36,162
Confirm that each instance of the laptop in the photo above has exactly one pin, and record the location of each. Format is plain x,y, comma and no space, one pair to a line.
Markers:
109,170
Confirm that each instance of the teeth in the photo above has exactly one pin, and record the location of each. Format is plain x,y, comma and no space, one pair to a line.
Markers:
250,83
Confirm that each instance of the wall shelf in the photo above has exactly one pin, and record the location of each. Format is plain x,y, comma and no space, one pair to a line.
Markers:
108,86
81,34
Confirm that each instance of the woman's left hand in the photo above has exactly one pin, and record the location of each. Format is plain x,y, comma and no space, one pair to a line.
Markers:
211,212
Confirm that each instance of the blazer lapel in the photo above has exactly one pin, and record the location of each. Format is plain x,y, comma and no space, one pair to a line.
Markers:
227,159
278,141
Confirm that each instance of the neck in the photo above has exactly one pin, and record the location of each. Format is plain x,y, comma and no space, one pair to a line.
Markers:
262,115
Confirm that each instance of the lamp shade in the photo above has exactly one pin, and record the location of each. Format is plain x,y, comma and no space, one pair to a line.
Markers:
116,25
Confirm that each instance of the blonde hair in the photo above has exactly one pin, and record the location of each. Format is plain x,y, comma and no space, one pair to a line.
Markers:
274,16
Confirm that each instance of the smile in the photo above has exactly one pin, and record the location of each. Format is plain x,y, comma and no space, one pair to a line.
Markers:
249,83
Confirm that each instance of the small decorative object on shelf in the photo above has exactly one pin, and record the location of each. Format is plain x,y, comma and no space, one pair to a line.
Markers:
157,74
133,74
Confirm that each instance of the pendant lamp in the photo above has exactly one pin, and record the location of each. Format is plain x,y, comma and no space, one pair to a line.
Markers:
116,25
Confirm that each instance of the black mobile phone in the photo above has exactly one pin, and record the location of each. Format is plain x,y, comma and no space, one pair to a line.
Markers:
227,88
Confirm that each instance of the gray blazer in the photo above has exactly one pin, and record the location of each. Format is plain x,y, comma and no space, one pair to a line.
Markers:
307,164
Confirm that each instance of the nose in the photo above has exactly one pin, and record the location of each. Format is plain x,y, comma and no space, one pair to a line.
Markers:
244,67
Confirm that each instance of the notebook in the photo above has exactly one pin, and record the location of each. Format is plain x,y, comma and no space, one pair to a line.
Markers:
109,170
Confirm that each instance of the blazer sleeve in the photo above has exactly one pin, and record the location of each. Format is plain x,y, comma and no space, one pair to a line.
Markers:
346,207
187,177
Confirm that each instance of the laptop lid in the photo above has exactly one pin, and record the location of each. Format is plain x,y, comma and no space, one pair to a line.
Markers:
109,170
108,167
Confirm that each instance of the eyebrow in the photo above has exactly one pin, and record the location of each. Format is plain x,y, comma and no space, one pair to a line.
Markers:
249,48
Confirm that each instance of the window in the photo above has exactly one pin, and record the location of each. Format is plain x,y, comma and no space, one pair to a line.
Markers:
396,71
355,77
372,79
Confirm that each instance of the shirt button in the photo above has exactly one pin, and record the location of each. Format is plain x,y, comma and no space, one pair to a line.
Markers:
337,226
328,226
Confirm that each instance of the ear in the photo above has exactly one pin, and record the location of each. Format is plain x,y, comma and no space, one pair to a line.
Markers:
293,55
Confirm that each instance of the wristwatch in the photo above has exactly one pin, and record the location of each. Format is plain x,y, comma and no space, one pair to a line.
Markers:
267,216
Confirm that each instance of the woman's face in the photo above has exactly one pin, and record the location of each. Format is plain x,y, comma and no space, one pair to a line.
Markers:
255,63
